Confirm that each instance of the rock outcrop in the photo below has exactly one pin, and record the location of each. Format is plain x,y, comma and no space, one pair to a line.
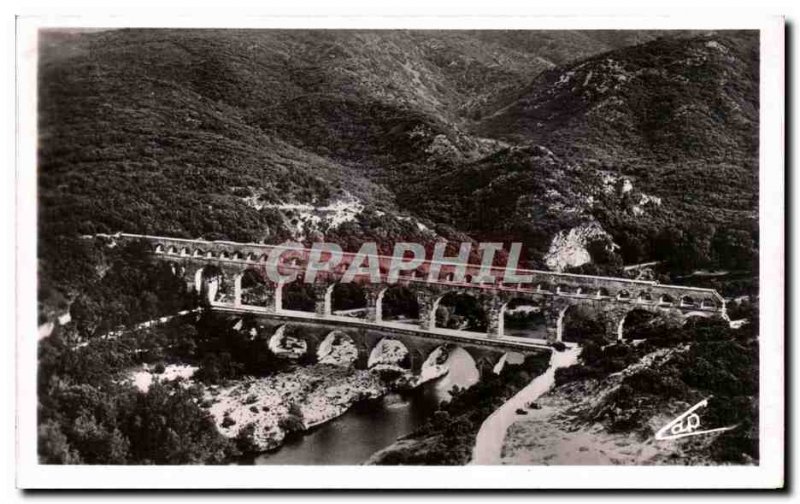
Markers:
569,249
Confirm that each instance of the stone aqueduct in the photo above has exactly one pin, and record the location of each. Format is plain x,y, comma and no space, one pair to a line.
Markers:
610,299
421,346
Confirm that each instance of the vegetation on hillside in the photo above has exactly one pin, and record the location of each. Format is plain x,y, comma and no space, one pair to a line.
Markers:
706,359
493,136
90,413
201,133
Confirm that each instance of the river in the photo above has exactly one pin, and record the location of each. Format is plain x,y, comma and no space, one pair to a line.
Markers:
372,425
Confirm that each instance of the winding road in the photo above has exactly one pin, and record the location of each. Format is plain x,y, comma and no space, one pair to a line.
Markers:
489,441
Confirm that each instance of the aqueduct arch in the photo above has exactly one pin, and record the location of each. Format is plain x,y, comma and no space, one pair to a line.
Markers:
577,321
282,344
454,354
347,299
525,312
396,303
461,309
251,289
610,297
208,282
636,318
389,351
336,347
297,296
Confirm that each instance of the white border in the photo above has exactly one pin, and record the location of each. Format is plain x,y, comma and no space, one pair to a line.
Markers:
769,474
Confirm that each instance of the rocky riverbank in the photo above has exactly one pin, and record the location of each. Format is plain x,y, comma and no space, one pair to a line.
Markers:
613,419
449,437
261,412
558,432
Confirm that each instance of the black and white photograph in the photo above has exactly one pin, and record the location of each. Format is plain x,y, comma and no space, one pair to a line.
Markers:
267,249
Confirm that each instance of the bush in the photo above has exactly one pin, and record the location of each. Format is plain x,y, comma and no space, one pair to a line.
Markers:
577,372
663,383
291,424
244,439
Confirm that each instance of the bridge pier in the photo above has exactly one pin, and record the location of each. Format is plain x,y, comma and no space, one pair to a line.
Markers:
495,317
378,314
613,321
237,290
427,303
271,301
554,321
278,293
322,303
374,309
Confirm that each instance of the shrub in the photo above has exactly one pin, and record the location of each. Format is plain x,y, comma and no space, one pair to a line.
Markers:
575,373
244,439
291,424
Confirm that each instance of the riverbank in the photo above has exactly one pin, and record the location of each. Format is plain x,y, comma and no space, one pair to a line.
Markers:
489,440
260,412
449,436
557,434
596,417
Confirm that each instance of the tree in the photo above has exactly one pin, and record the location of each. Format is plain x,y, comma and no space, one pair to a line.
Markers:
53,445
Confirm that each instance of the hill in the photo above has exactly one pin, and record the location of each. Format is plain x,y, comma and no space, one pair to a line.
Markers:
562,140
677,116
657,142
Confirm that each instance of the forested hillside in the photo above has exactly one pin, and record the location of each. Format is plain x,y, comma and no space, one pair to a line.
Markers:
644,142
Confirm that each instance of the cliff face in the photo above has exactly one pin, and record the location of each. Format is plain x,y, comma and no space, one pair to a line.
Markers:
570,249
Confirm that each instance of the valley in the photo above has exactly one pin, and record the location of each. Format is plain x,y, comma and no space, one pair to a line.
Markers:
597,151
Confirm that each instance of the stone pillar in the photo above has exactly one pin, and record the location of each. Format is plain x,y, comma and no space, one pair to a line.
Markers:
373,304
553,318
379,304
495,316
322,294
272,293
279,296
427,310
237,290
613,322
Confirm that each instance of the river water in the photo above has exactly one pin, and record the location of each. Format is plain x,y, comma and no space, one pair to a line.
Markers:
372,425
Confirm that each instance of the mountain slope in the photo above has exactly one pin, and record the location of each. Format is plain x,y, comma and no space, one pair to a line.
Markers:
181,131
699,95
355,135
674,121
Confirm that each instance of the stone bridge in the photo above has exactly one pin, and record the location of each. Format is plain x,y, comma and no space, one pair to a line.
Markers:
312,334
216,269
